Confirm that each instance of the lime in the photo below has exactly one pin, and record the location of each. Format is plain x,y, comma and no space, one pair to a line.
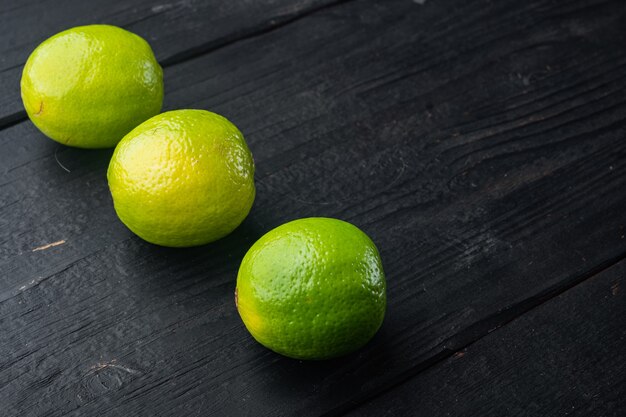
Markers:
89,86
312,289
182,178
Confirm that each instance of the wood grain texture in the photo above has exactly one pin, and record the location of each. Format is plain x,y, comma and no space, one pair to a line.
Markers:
176,30
565,358
480,145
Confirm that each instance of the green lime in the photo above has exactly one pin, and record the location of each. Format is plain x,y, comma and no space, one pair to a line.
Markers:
182,178
312,289
90,85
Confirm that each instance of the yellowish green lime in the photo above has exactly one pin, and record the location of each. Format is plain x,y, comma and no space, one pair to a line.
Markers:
312,288
182,178
90,85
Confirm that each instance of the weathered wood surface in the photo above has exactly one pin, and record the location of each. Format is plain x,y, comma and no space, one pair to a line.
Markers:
480,144
176,30
567,357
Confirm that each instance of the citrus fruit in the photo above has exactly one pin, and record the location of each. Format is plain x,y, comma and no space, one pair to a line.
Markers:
90,85
182,178
312,288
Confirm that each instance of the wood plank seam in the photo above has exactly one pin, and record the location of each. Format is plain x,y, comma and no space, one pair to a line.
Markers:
270,26
13,119
479,330
203,49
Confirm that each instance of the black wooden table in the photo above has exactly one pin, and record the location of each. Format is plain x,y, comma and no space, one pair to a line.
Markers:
481,144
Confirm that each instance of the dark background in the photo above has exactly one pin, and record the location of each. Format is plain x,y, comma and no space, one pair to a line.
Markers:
481,144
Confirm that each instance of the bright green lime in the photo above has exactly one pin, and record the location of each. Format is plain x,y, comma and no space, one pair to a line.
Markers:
312,289
182,178
89,86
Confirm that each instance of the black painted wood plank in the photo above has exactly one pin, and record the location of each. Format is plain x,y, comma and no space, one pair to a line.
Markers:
486,160
176,30
564,358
